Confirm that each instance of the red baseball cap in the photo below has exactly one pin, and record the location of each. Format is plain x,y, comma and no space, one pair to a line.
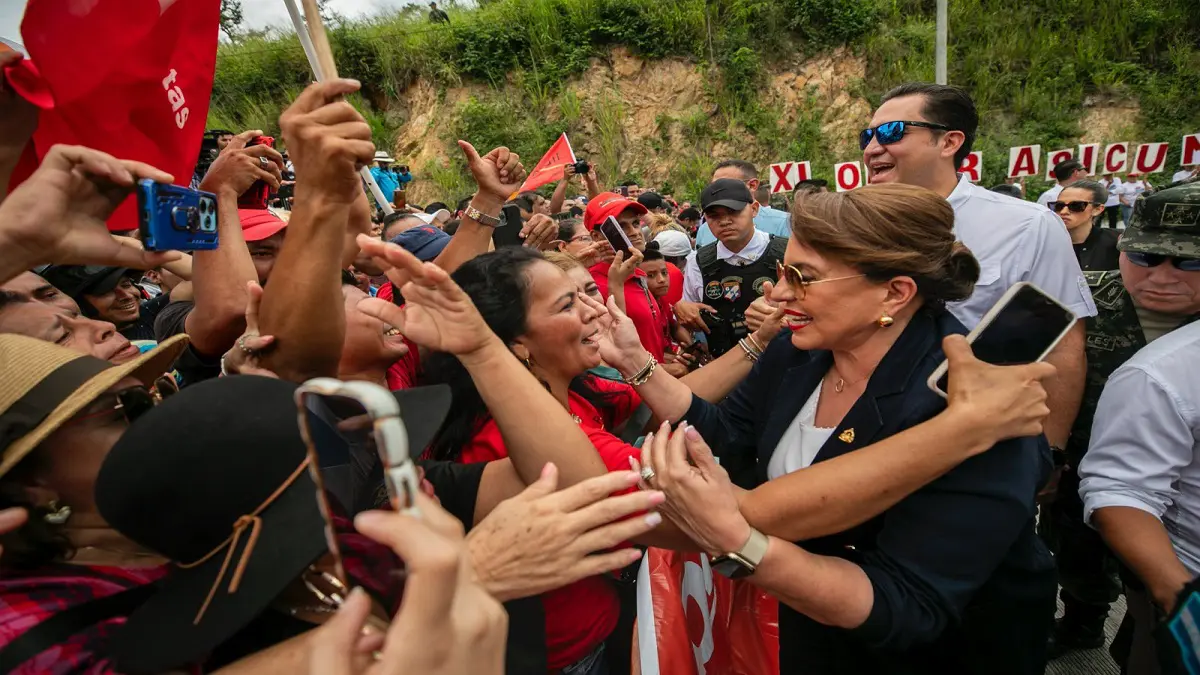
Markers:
608,204
258,224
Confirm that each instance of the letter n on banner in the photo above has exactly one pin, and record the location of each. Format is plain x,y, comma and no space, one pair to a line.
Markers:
1191,151
848,175
972,166
1088,153
1023,160
1054,157
1116,157
1150,158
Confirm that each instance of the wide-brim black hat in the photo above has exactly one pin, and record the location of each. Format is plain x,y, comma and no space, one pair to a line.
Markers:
180,480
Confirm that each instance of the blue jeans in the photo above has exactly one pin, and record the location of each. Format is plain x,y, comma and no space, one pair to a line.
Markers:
1126,214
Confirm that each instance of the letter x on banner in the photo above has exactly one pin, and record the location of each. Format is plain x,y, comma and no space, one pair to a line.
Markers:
786,175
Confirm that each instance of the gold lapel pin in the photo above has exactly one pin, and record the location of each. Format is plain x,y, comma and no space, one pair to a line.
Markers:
846,436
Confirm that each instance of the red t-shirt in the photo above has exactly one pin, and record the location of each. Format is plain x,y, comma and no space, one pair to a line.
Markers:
675,294
582,615
403,373
643,309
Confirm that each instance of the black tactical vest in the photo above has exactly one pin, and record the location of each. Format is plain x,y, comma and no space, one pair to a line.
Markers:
730,289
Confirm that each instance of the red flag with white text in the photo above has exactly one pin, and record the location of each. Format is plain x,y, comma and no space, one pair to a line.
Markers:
132,78
550,168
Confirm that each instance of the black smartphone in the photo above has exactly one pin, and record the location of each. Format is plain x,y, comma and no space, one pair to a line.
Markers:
1023,327
509,232
612,232
259,193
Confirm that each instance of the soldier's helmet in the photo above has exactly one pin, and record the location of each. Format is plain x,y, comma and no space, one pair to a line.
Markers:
1166,222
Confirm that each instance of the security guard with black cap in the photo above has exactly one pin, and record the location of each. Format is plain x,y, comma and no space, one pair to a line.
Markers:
1155,290
723,278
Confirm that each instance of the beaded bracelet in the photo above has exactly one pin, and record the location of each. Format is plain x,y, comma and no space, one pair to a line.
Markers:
643,375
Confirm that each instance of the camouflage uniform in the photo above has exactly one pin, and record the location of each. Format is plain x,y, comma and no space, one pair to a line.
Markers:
1166,223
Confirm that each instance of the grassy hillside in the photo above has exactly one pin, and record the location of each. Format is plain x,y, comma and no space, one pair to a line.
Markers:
1034,67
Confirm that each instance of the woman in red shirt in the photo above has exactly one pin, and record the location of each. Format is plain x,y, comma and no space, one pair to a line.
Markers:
534,307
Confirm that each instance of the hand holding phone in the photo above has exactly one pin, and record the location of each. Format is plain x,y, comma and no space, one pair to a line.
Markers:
257,196
509,231
1023,327
615,235
173,218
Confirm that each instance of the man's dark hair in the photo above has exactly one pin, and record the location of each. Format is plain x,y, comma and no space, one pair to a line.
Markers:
576,212
435,207
451,227
1064,169
746,168
464,203
945,105
690,213
817,183
1006,189
526,200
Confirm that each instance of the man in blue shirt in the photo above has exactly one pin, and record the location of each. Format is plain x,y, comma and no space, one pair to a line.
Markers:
769,220
384,178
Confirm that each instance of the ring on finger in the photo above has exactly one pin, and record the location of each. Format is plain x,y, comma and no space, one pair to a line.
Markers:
263,162
241,343
648,473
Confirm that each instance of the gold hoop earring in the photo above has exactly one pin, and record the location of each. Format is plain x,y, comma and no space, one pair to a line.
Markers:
58,515
885,321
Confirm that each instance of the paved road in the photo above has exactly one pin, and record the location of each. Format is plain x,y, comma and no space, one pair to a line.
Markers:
1091,661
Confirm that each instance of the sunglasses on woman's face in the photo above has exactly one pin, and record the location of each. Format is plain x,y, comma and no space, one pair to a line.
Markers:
1073,207
891,132
1154,260
792,276
134,402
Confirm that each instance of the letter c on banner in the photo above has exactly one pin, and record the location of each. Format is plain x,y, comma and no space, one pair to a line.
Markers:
1116,157
848,175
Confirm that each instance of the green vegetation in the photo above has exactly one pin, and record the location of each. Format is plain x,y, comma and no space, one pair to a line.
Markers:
1030,67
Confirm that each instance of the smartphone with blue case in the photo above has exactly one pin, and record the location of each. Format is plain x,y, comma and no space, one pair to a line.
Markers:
173,218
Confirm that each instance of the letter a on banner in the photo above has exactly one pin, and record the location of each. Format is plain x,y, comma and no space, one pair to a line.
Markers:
1054,157
1087,157
972,166
1150,158
1023,160
1191,151
848,175
1116,157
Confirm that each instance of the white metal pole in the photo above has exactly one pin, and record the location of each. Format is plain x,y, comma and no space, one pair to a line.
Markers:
940,47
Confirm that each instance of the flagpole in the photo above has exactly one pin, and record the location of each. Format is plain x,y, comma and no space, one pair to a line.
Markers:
317,55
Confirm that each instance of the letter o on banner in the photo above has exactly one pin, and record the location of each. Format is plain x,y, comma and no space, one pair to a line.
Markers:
848,175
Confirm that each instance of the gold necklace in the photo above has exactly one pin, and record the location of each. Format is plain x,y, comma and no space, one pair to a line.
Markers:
840,385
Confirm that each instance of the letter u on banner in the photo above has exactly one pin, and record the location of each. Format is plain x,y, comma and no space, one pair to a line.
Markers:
848,175
1150,158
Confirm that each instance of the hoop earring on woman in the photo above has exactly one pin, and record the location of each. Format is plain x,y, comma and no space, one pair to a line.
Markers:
58,515
886,321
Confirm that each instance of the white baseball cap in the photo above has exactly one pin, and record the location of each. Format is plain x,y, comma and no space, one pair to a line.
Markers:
674,244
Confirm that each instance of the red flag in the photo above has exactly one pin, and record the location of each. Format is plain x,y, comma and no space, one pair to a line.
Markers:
129,77
550,168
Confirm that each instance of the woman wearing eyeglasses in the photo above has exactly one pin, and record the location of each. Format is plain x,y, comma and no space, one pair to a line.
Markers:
949,579
1081,206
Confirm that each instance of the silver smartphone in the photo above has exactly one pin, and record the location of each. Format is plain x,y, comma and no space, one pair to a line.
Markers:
1022,327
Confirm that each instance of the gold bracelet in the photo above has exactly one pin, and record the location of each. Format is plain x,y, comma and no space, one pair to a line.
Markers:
751,355
758,345
643,375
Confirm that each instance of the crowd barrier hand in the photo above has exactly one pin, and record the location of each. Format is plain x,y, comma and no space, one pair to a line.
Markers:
58,214
541,539
539,232
242,358
437,313
327,141
1006,401
238,167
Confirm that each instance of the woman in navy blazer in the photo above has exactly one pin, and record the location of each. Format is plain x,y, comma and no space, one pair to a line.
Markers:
951,579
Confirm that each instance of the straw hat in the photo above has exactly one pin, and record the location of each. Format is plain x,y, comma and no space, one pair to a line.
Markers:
42,385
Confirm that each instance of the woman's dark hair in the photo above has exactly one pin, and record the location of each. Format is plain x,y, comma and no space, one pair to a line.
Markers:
498,284
36,543
652,252
889,230
567,228
1096,188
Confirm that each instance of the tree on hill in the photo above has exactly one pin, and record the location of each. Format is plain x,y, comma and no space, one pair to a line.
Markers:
231,18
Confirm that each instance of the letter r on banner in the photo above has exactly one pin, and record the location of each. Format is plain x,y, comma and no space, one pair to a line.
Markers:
848,175
1150,158
1054,157
1191,151
782,177
1088,153
972,166
1116,157
1023,160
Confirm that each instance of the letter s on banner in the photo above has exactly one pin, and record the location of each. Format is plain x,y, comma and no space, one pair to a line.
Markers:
1088,152
1190,156
1054,157
1150,158
1023,160
1116,157
848,175
972,166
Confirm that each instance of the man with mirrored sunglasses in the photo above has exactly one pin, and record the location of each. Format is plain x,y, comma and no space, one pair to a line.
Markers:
1155,290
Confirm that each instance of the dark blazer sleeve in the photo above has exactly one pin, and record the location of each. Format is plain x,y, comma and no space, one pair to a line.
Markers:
939,546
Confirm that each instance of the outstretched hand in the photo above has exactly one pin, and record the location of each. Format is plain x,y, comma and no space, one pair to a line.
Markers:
498,174
59,214
437,313
1007,401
